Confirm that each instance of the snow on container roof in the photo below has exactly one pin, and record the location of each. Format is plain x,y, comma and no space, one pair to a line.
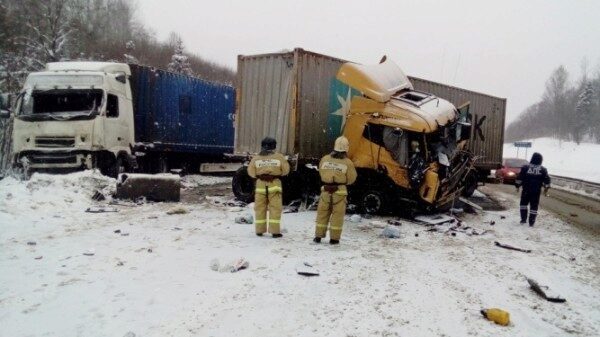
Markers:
378,82
105,67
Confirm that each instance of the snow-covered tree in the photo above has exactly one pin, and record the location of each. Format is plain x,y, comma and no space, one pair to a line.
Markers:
180,63
129,50
583,112
49,32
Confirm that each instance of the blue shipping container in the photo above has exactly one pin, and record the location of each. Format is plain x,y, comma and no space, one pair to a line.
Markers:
180,113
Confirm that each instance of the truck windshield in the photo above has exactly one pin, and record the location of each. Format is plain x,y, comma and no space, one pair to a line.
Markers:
62,103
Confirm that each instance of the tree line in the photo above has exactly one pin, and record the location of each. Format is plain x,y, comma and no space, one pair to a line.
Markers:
567,110
35,32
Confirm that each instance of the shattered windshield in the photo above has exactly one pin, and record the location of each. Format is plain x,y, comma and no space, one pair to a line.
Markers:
62,102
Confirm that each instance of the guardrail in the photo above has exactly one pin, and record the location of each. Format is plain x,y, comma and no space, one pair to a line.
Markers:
577,186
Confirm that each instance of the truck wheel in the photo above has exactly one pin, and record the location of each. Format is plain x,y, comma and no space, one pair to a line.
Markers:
470,185
372,202
118,166
243,185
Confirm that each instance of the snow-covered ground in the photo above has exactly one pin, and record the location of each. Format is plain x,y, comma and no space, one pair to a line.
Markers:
153,278
563,158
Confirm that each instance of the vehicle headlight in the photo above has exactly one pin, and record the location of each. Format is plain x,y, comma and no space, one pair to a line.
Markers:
510,174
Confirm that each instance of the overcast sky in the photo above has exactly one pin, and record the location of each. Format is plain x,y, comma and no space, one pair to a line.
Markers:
503,48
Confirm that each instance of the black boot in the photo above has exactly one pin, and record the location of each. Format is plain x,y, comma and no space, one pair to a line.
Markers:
334,242
277,235
523,215
532,217
259,234
317,240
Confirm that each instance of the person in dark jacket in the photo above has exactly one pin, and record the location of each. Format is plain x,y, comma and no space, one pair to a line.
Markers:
532,178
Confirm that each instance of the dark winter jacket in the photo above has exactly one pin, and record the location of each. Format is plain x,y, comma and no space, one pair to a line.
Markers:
532,177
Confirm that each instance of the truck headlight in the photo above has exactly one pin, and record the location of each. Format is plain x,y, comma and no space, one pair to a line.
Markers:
510,174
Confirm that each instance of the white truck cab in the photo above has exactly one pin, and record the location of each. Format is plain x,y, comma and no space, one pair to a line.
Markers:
75,115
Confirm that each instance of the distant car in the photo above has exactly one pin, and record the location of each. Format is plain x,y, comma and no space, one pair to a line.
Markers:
510,169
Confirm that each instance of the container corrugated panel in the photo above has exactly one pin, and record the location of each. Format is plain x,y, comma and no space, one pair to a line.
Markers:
315,75
265,97
487,116
181,113
286,96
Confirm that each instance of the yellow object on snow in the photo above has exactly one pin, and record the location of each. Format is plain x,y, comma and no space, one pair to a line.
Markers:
497,316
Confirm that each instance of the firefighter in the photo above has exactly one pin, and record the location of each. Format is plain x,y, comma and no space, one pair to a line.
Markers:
532,177
336,171
267,168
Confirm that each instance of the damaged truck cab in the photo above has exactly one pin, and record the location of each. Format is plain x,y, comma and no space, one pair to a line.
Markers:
75,115
409,146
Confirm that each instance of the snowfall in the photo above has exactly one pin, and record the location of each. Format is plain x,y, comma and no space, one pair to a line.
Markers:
562,158
142,272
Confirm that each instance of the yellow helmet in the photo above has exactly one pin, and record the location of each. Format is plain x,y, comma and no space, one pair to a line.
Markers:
341,144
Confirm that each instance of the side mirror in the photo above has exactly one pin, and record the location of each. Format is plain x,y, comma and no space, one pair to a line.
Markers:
121,78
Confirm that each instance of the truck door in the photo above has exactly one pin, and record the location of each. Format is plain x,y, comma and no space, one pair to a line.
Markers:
116,124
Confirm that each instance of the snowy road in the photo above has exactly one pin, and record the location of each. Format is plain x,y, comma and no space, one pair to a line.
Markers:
153,278
574,208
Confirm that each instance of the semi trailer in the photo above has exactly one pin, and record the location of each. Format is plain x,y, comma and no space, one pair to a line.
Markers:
120,117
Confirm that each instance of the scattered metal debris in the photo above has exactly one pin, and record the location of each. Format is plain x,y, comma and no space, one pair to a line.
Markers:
505,246
545,292
95,209
306,269
436,219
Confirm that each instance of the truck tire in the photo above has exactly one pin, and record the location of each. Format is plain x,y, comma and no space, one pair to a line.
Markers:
372,202
243,185
114,167
470,185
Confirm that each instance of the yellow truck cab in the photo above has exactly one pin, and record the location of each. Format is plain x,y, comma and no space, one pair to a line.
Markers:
404,142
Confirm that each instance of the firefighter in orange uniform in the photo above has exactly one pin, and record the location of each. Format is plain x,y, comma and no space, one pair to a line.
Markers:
267,168
336,171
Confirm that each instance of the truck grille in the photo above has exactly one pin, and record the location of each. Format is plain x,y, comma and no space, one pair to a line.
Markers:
55,141
53,159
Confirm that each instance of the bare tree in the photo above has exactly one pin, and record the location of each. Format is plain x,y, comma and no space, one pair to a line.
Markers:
49,32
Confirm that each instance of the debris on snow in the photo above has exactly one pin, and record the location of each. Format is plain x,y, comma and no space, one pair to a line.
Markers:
157,187
391,232
436,219
231,267
394,222
497,316
505,246
245,219
306,269
470,203
456,211
96,209
177,210
31,243
89,252
378,224
355,218
545,292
